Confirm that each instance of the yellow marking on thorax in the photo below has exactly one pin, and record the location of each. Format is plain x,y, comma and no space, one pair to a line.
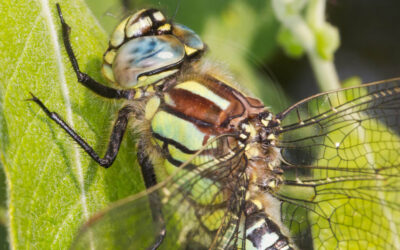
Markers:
252,131
182,131
204,92
151,107
146,80
252,151
168,100
178,155
265,122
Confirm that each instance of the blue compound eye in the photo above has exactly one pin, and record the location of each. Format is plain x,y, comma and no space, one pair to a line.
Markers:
192,41
146,56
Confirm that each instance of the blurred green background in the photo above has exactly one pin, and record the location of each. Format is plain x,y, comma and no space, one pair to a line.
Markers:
369,46
242,34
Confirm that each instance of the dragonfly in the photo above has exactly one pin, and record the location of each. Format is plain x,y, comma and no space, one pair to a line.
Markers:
222,171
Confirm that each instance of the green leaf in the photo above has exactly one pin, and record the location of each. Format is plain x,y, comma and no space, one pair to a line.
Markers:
53,186
108,12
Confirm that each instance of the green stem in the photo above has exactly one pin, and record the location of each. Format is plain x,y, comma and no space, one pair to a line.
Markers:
324,72
303,30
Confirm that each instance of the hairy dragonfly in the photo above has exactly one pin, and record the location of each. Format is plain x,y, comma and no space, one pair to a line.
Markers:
222,171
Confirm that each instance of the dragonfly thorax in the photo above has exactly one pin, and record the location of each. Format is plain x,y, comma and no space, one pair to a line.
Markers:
264,165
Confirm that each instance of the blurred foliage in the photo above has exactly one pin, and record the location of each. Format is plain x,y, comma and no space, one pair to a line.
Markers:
289,43
351,82
308,27
327,40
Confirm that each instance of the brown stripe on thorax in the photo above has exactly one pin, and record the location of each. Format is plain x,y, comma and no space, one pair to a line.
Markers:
192,105
195,106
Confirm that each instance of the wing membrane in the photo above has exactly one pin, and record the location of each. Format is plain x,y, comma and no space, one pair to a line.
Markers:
367,114
197,203
342,154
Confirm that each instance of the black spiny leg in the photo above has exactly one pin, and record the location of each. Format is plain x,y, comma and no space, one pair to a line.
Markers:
115,139
154,199
85,79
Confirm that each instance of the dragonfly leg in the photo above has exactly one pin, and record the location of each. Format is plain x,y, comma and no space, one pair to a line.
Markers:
115,138
154,199
84,78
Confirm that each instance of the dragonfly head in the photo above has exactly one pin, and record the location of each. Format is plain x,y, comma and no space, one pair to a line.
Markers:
146,48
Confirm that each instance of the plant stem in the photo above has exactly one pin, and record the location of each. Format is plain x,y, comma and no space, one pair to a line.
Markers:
289,14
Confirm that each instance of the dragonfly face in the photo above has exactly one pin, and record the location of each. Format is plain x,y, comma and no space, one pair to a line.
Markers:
223,172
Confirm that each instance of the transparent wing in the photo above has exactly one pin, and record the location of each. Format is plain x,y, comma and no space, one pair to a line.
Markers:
194,207
342,174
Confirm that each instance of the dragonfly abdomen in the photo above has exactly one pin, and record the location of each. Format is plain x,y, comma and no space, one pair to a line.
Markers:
261,231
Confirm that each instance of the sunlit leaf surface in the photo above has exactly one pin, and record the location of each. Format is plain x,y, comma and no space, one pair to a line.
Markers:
53,186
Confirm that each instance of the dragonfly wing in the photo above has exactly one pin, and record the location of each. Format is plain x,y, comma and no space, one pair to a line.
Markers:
197,203
342,173
125,225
